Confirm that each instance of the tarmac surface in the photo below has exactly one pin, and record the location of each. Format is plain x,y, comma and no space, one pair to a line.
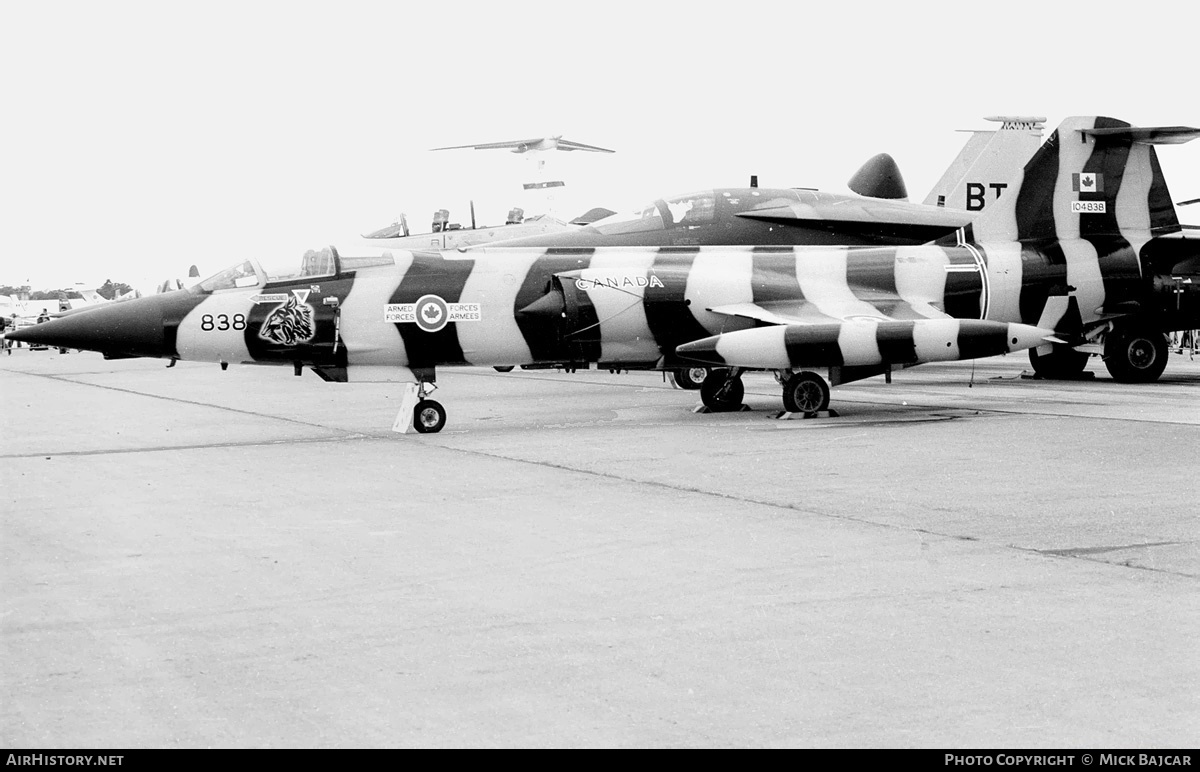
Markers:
964,558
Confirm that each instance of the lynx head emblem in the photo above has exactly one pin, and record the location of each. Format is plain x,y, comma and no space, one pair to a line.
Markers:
289,324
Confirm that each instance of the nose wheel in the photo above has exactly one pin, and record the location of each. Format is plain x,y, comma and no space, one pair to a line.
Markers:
418,411
429,417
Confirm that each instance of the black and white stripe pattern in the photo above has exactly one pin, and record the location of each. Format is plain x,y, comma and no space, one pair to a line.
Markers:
976,294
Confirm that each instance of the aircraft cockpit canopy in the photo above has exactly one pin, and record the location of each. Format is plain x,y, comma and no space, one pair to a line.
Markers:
254,273
244,274
681,211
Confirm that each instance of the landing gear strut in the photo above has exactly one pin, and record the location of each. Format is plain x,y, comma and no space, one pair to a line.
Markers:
419,412
805,392
722,390
1135,354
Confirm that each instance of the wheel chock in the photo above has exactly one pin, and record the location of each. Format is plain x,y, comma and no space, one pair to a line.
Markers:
784,415
706,409
404,418
1086,375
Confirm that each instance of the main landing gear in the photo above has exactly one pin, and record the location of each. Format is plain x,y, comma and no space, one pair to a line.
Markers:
1135,354
690,378
805,392
1062,363
721,391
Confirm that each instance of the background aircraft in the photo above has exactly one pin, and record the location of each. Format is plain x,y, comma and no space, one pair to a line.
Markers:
988,161
537,144
447,235
879,214
761,216
540,192
1083,249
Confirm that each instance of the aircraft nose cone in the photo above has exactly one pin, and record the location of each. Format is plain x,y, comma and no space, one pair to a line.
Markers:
128,328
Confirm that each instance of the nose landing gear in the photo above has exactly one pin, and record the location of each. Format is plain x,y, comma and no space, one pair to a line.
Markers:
419,412
429,416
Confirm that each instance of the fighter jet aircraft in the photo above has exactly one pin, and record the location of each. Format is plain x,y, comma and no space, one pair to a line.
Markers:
1077,252
447,235
879,214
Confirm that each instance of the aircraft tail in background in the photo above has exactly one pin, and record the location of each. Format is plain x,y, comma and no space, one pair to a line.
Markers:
985,166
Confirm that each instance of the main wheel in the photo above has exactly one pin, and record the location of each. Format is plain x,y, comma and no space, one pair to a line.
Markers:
1135,355
429,417
722,392
1063,362
503,368
690,378
805,393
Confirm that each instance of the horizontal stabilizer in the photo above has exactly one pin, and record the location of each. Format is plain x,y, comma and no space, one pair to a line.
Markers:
1150,135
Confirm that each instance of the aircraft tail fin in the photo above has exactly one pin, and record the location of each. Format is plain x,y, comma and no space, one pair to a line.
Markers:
987,163
1094,177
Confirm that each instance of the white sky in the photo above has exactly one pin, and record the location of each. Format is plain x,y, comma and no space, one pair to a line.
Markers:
138,138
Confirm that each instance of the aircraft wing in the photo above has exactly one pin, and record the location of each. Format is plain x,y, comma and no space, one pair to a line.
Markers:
516,143
566,144
521,145
867,211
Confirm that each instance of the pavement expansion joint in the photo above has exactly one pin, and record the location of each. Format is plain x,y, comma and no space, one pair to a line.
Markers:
181,401
1092,555
196,446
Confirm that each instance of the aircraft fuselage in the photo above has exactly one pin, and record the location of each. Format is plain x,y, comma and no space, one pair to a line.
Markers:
619,307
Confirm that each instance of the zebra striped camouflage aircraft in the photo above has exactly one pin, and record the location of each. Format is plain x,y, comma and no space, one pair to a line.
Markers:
1078,253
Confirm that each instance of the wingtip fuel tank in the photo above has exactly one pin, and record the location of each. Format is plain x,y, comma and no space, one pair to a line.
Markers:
864,342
